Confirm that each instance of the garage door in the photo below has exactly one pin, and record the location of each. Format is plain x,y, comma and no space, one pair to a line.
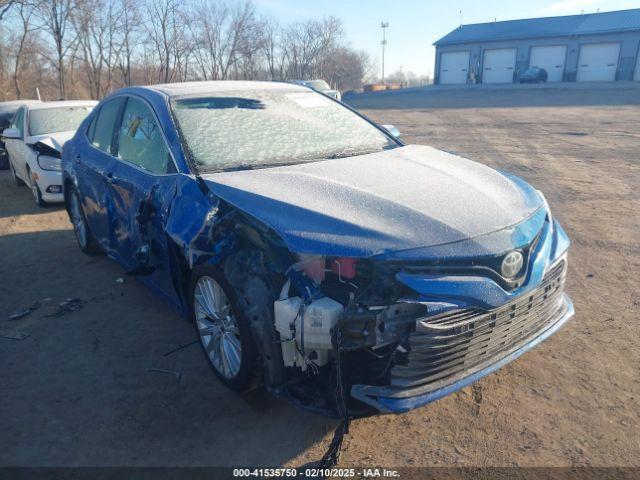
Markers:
499,65
551,59
598,62
454,67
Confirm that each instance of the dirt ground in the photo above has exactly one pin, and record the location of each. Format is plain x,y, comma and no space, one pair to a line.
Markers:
77,390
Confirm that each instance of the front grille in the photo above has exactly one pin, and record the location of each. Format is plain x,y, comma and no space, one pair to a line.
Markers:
451,344
489,266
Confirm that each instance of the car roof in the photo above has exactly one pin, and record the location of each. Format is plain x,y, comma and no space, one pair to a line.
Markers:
207,87
13,105
62,103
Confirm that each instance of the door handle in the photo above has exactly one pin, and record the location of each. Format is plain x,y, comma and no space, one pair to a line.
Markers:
109,178
76,159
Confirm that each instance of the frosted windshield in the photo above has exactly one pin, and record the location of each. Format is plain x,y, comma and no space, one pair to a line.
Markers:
59,119
232,130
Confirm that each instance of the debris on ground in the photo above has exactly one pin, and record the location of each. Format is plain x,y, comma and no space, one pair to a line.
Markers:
14,335
23,312
179,347
178,375
70,305
119,280
20,314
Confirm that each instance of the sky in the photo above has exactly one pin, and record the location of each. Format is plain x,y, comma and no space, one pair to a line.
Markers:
415,24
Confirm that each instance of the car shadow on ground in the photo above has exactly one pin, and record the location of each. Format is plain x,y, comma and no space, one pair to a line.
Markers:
18,200
119,379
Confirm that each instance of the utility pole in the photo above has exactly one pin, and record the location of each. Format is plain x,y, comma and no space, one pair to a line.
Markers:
384,26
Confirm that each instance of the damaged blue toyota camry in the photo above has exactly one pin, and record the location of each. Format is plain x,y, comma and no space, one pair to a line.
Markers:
317,255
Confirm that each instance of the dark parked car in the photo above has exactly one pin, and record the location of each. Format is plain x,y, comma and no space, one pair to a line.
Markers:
534,75
316,254
7,111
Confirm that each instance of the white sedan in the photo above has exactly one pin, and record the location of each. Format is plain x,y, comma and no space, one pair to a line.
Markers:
34,144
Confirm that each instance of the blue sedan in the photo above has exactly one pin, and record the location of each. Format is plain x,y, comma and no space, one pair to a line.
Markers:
317,255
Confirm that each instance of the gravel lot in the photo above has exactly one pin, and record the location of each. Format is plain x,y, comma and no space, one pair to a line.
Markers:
77,390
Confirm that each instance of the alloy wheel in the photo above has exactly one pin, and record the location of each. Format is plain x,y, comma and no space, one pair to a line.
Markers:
35,191
217,327
77,219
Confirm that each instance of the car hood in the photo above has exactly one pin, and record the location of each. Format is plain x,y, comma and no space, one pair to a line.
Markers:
379,204
54,141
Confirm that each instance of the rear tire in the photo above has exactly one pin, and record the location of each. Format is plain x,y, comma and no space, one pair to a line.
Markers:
4,160
223,330
84,237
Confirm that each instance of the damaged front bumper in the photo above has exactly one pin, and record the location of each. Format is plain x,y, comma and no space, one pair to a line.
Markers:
480,328
50,184
389,399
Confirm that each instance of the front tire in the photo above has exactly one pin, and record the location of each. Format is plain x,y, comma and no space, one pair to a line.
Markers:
83,234
224,331
35,191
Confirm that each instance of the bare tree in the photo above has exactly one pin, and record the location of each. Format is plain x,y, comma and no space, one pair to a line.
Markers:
127,29
272,50
308,46
5,5
225,37
95,23
56,21
25,13
181,47
166,36
90,47
345,68
206,35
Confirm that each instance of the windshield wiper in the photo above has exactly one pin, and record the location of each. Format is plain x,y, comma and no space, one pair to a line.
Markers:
237,168
257,166
350,154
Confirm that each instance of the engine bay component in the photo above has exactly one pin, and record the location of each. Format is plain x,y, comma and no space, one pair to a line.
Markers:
286,313
344,267
313,267
305,329
314,335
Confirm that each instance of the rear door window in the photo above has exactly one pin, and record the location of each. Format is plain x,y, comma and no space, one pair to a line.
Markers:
140,140
92,127
101,131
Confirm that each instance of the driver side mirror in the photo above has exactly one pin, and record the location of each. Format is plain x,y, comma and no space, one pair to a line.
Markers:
11,133
392,130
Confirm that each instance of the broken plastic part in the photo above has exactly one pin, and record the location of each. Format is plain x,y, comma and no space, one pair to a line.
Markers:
46,147
313,266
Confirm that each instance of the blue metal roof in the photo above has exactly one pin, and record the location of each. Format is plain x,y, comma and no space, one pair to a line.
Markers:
589,23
